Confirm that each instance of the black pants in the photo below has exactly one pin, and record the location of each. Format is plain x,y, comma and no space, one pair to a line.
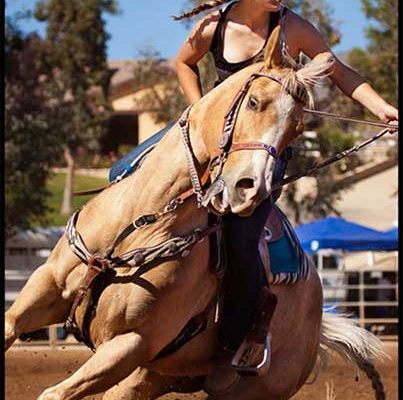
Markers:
245,274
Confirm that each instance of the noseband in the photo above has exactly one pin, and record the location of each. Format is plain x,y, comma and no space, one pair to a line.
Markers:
226,145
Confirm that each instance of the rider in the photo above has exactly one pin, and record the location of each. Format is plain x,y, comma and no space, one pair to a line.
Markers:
236,38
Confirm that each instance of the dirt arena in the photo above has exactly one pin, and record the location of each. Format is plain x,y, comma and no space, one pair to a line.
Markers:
30,370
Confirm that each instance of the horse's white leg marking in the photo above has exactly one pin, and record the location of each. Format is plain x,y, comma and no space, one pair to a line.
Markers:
37,305
113,361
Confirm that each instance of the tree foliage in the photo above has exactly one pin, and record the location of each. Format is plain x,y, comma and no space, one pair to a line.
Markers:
381,61
32,135
75,52
157,78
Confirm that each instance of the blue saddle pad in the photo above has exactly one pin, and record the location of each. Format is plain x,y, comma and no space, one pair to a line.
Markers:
284,257
288,261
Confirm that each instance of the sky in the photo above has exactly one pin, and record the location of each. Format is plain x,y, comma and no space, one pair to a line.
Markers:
147,23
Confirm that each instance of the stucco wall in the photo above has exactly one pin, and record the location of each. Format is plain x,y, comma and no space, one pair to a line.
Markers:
147,126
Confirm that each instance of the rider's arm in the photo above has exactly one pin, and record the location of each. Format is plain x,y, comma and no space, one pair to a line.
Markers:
196,45
310,42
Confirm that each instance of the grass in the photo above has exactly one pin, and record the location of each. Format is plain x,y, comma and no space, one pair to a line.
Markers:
56,186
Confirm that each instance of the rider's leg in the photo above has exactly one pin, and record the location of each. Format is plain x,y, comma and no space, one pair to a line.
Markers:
40,303
133,157
245,278
245,269
245,274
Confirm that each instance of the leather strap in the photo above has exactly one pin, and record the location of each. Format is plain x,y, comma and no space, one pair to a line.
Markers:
254,146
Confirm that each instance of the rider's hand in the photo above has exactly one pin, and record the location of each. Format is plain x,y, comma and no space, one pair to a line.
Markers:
390,115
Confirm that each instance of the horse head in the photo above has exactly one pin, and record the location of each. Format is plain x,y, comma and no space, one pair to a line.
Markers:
268,116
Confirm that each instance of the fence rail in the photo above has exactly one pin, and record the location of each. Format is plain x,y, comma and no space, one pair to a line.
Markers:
374,305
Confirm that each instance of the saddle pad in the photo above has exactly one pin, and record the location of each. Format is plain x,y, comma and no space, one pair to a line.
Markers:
282,255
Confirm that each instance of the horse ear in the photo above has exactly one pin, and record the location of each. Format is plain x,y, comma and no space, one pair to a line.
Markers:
272,52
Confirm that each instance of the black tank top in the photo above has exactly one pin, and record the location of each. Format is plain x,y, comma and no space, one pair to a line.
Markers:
224,68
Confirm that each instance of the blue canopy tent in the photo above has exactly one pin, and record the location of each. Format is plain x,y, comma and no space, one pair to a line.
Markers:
337,233
392,233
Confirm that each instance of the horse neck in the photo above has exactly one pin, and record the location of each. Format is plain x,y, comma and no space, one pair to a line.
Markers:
164,174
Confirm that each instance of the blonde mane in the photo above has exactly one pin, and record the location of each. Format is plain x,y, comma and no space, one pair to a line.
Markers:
300,83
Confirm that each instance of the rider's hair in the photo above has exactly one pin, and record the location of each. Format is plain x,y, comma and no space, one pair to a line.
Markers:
202,7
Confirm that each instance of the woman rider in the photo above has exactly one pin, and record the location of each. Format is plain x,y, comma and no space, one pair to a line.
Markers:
236,38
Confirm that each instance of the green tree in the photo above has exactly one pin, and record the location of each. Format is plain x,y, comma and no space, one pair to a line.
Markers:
32,137
379,61
162,96
76,55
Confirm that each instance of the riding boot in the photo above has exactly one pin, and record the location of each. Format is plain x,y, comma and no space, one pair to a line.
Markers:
254,355
222,377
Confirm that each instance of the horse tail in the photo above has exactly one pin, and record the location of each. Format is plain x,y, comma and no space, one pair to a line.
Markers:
354,344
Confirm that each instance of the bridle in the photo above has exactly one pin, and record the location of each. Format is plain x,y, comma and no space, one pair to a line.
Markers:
226,144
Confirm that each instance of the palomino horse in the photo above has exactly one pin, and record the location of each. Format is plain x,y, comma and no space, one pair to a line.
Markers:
142,309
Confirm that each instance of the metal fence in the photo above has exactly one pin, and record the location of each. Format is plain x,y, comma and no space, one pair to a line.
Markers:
368,294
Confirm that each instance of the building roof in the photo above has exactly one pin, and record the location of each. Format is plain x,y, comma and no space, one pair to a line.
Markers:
124,69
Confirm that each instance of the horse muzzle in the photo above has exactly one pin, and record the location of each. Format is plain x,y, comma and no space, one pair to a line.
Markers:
243,196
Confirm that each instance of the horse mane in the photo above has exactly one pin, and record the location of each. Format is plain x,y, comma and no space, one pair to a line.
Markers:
300,83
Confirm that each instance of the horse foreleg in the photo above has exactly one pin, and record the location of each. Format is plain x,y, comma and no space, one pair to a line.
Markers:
145,384
113,361
39,304
142,384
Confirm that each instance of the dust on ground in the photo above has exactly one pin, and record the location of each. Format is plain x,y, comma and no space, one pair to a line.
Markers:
30,370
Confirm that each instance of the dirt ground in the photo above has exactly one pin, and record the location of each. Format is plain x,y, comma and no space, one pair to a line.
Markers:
30,370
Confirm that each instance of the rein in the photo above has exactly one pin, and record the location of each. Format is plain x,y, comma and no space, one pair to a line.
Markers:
348,119
309,171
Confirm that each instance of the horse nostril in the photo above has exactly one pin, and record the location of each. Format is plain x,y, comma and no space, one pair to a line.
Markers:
243,186
246,183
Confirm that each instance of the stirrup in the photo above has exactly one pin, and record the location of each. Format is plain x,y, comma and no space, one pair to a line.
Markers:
253,358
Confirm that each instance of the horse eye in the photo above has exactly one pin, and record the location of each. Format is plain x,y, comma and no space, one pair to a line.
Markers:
253,103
